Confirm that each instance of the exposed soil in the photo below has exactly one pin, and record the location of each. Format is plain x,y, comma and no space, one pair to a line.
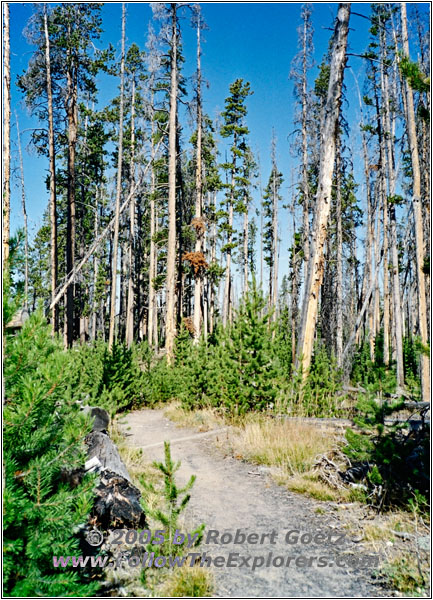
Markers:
230,495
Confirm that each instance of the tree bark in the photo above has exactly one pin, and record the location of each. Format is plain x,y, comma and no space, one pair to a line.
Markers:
152,315
305,186
118,193
339,276
129,333
72,118
170,321
245,244
227,283
327,157
26,233
393,226
199,193
274,235
6,133
419,235
52,159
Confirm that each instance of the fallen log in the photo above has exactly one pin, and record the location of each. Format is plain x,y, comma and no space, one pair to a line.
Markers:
117,503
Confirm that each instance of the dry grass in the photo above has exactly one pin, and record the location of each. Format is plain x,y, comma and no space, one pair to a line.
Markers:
290,447
201,420
311,486
190,582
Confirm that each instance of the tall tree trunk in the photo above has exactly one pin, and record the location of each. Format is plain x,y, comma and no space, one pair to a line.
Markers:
419,235
393,226
52,159
152,315
95,278
245,243
170,320
118,193
305,186
368,268
227,284
384,199
327,157
6,133
72,117
274,237
198,191
294,290
129,334
339,258
26,234
212,260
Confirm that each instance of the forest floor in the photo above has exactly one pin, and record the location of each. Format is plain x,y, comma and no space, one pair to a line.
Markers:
230,494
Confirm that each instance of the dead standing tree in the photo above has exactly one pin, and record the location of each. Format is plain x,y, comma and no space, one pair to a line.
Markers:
323,201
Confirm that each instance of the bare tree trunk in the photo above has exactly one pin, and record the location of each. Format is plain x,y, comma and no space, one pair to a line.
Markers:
198,191
227,284
152,331
118,193
170,322
52,158
6,133
72,116
95,278
261,221
339,281
391,191
26,234
376,238
294,290
384,199
129,333
245,244
371,334
419,235
386,312
305,186
274,237
327,157
212,260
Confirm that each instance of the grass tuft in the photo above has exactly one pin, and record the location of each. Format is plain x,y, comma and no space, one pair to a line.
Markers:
191,582
292,447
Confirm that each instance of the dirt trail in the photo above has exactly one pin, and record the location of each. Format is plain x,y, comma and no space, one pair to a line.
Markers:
230,495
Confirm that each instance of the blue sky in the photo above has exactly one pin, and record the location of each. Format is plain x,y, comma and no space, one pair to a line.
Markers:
254,41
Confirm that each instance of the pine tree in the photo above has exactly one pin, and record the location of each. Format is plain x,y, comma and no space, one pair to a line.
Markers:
43,444
250,373
235,129
271,201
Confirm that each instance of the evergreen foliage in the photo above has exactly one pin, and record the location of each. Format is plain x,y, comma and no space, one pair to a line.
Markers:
112,380
320,394
396,456
176,500
43,443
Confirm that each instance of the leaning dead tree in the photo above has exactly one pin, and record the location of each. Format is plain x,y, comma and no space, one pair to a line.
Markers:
70,278
323,201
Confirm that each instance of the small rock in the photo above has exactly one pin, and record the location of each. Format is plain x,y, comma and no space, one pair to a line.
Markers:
423,542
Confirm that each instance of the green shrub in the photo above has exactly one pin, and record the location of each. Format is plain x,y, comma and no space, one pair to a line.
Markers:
43,442
396,459
238,371
318,395
112,380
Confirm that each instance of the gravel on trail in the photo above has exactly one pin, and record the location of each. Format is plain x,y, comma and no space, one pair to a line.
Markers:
231,495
